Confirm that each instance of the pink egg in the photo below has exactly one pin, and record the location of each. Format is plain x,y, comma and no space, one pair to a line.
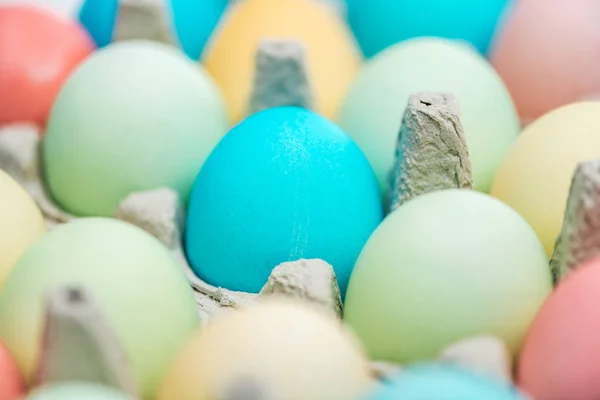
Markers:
11,382
548,54
560,358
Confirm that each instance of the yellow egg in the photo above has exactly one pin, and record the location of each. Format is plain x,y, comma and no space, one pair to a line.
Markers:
535,177
288,349
21,223
332,54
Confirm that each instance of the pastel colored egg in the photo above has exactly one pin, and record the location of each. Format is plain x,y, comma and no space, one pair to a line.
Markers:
191,22
137,283
38,52
283,185
332,57
76,391
21,223
536,175
548,54
284,349
373,110
136,115
378,24
559,356
12,385
442,267
437,382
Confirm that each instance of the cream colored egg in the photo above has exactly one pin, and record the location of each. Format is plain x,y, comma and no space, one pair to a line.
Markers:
21,223
288,349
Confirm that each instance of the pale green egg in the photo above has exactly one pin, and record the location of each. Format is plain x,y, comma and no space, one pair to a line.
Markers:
76,391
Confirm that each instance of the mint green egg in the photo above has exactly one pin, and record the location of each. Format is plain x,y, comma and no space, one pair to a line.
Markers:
137,283
442,267
374,106
136,115
77,391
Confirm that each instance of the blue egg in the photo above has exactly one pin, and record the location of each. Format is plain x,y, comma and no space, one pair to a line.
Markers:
285,184
193,20
439,382
378,24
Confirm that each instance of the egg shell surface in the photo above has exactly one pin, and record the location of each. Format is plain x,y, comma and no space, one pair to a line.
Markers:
12,385
283,185
38,52
559,356
536,174
332,56
373,110
76,391
135,280
548,54
290,349
21,223
137,115
378,24
443,267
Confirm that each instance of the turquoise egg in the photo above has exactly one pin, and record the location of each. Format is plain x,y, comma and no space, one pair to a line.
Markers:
378,24
192,21
77,391
283,185
438,382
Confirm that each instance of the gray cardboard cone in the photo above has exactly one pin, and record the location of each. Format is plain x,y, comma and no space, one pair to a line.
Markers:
280,77
79,345
431,151
144,19
579,238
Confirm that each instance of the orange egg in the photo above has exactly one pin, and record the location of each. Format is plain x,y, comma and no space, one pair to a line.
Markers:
11,382
332,54
560,357
38,51
548,54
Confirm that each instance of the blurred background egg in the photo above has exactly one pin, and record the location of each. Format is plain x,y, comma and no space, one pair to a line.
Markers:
21,223
288,349
536,175
437,382
373,109
332,54
137,283
559,356
548,54
378,24
190,21
11,381
443,267
284,184
76,391
136,115
38,52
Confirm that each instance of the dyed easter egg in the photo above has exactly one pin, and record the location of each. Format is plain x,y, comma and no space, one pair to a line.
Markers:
378,24
21,223
283,185
558,360
536,175
548,54
11,381
137,283
373,110
191,22
76,391
38,52
436,382
136,115
283,349
442,267
331,53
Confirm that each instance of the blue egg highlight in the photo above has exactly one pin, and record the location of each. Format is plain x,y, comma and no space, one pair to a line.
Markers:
285,184
440,382
378,24
193,21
